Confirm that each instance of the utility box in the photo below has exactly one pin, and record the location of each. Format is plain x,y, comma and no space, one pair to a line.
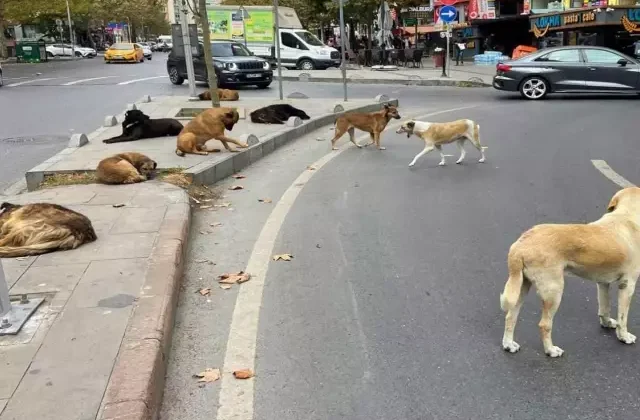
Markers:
31,51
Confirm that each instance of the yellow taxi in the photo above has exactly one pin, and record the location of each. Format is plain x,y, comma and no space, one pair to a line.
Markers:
125,52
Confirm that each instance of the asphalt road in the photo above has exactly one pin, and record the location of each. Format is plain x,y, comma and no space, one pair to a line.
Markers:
42,104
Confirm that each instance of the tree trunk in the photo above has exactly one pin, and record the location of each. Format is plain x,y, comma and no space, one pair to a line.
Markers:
3,41
208,59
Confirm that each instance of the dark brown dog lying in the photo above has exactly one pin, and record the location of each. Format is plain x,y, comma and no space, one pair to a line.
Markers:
223,95
125,168
373,123
35,229
276,114
209,124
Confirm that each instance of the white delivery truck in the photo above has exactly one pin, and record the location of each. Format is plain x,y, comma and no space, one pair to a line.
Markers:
299,48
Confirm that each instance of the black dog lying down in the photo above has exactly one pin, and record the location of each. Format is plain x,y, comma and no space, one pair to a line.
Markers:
137,125
276,114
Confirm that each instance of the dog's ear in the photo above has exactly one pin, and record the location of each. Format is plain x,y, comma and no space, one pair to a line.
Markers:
613,203
155,164
411,124
386,106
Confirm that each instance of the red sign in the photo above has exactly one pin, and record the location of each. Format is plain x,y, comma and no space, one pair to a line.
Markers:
473,10
447,2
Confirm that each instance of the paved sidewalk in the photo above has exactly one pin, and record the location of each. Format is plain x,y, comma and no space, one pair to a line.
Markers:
96,348
467,75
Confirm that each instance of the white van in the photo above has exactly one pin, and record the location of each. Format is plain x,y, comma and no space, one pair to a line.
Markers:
301,49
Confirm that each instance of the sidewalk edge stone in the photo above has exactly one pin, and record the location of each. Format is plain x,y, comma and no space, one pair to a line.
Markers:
135,388
406,81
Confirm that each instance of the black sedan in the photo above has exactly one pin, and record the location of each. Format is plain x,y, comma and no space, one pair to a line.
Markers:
571,69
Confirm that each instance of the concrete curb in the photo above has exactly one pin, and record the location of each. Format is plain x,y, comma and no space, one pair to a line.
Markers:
212,172
135,388
412,82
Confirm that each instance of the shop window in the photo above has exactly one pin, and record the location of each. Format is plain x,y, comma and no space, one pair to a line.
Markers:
562,56
601,56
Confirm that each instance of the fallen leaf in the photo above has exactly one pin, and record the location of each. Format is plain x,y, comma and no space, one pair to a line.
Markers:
232,278
209,375
117,206
205,207
236,187
225,286
283,257
195,199
200,261
205,291
311,168
243,374
204,232
216,224
21,258
238,176
222,205
265,200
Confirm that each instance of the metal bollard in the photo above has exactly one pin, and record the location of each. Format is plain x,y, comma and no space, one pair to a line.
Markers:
5,303
13,317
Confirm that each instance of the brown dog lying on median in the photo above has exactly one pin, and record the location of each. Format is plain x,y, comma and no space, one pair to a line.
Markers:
207,125
35,229
373,123
125,168
223,95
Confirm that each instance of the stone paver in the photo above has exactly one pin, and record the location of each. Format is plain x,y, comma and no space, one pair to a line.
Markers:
65,363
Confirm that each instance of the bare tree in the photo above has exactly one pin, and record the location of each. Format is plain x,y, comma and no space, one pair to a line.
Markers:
200,10
3,40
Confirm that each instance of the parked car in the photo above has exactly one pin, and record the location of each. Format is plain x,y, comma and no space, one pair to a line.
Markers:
62,50
124,52
146,50
234,65
570,69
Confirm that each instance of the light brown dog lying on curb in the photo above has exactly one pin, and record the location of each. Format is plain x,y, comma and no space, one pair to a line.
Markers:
435,135
604,251
125,168
373,123
208,125
223,95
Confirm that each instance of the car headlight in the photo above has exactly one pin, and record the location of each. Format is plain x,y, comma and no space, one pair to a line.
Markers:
232,66
266,65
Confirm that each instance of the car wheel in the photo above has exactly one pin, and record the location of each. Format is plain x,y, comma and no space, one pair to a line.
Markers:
78,54
306,64
534,88
263,85
1,80
49,54
175,77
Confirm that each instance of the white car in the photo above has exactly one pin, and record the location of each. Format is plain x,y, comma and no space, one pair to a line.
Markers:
65,50
146,50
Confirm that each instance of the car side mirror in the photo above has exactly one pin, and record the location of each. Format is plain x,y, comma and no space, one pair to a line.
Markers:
623,62
250,52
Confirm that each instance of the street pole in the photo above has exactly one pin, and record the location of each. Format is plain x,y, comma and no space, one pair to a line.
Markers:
244,26
344,52
277,22
383,37
188,56
5,303
73,44
448,56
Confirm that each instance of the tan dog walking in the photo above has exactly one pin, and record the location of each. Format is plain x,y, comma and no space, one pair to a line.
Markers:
605,251
373,123
208,125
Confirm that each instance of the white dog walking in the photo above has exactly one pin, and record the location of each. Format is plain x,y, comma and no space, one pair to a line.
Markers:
437,134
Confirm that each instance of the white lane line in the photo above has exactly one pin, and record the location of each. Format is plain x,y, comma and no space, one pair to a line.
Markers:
615,177
75,82
236,397
128,82
30,81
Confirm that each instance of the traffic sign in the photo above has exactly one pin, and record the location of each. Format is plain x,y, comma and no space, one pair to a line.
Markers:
448,14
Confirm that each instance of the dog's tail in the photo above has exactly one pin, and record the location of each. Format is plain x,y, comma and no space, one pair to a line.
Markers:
203,95
509,297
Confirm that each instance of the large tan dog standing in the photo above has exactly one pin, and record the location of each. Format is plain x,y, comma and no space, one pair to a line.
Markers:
373,123
208,125
604,251
437,134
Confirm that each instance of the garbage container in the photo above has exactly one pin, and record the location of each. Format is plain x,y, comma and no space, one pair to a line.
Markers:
438,57
31,51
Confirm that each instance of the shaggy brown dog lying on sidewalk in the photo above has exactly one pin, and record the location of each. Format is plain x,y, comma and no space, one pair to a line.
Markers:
223,95
137,125
209,124
35,229
373,123
125,168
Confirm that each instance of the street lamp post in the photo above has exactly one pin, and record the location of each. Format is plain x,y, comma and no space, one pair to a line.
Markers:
245,15
186,41
73,44
342,48
277,43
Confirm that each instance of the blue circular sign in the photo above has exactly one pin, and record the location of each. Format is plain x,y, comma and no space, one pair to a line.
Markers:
448,13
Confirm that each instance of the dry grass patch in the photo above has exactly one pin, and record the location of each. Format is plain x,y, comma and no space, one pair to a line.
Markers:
200,194
76,178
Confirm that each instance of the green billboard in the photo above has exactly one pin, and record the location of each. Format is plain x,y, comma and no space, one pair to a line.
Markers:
227,24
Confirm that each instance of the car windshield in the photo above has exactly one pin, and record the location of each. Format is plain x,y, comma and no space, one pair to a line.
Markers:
229,50
309,38
121,47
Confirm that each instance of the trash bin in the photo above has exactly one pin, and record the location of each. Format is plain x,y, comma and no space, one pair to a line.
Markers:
31,51
438,57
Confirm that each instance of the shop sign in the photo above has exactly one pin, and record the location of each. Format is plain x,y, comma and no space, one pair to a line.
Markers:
631,20
542,24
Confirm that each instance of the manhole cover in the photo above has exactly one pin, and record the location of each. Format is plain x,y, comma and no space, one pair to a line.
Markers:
34,139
